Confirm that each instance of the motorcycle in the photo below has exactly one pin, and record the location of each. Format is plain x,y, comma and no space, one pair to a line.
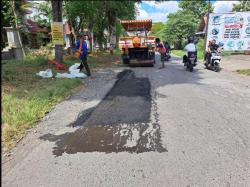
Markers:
191,61
167,56
214,62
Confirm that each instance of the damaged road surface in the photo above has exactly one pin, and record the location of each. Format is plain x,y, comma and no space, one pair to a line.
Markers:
137,127
120,122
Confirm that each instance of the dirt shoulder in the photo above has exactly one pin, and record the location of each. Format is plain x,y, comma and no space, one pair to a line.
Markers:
235,62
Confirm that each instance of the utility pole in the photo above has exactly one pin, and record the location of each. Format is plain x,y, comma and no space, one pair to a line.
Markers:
209,7
57,17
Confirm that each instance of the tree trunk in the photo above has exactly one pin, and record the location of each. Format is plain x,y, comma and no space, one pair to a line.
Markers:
90,29
100,40
57,17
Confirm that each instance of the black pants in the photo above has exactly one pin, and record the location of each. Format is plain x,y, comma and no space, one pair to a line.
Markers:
208,58
185,58
85,65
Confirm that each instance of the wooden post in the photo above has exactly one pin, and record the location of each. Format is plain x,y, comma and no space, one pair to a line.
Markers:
17,27
57,17
207,27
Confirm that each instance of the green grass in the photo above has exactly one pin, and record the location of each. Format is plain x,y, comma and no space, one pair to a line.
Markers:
244,72
27,97
180,53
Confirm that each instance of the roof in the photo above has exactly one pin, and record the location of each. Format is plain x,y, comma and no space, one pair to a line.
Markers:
137,25
33,27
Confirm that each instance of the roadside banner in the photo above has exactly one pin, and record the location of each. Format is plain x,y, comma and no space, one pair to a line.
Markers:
57,33
231,31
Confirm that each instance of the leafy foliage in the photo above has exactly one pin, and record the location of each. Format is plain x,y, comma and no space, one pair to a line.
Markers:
198,8
7,15
183,23
179,26
44,16
99,15
243,6
157,29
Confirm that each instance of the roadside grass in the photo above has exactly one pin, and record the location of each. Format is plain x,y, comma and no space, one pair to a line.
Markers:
244,72
26,97
180,53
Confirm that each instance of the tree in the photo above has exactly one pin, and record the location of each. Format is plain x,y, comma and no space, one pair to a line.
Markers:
98,16
158,29
57,17
119,10
44,16
180,25
243,6
198,8
7,15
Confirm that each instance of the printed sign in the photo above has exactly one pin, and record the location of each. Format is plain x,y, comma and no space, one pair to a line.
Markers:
57,33
231,31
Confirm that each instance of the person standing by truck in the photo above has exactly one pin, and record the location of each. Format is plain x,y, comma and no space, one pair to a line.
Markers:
162,50
82,53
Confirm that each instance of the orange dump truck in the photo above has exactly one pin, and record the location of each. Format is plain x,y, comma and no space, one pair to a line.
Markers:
137,46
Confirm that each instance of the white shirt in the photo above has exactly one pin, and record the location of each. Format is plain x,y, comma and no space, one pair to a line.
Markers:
190,47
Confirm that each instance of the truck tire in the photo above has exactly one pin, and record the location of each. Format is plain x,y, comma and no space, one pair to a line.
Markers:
125,59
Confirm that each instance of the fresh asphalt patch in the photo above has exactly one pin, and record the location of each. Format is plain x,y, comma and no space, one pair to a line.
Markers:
125,120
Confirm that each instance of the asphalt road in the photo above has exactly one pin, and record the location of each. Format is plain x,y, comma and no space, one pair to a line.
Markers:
142,127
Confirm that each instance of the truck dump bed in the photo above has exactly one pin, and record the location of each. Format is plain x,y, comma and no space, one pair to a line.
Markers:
137,25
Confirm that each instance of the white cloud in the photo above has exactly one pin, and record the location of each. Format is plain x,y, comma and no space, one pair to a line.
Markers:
224,6
142,14
161,10
159,17
156,17
166,6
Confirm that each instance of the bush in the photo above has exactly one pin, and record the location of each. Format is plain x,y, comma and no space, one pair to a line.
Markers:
200,45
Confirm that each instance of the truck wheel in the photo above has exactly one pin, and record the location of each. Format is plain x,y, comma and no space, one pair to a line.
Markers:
125,59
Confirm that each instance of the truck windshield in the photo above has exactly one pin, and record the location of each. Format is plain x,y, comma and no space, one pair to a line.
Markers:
133,33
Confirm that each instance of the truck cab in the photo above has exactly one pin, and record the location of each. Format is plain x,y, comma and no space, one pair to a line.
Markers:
137,45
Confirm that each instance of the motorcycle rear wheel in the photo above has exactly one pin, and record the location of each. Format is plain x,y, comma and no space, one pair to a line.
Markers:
191,68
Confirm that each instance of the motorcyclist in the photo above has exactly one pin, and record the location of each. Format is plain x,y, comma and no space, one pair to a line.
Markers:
212,47
168,48
190,47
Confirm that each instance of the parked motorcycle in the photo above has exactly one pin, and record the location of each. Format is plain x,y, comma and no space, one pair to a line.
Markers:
191,61
214,62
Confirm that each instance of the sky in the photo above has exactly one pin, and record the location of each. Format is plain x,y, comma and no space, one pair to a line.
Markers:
158,11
